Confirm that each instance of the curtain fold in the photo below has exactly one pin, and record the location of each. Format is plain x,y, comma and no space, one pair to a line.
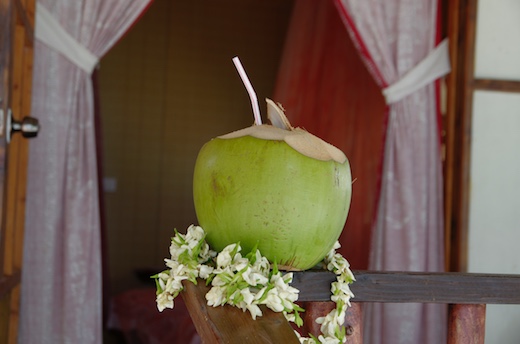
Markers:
61,296
393,37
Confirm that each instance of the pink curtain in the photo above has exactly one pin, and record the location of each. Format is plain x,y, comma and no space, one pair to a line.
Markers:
61,298
393,37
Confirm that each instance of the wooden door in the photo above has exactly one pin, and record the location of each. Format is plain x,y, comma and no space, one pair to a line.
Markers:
16,55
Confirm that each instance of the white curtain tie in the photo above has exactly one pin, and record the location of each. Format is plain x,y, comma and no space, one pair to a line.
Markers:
52,34
432,67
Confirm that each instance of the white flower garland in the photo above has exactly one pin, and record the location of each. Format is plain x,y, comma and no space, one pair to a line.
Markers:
249,281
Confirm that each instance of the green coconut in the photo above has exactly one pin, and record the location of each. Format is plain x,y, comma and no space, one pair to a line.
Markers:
275,187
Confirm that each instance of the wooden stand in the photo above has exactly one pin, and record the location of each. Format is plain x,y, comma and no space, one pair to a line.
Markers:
466,294
228,324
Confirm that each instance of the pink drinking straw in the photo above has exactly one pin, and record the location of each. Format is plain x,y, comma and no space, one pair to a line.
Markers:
250,90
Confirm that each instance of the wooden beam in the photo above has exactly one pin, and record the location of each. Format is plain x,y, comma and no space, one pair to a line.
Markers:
496,85
421,287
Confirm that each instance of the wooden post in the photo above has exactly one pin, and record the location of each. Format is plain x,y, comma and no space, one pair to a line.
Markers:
314,310
353,320
354,324
466,323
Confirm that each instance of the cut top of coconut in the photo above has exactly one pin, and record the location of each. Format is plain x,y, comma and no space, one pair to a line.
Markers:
297,138
300,140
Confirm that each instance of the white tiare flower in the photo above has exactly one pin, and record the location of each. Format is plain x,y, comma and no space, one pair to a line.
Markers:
240,263
278,280
175,251
178,239
162,277
205,271
287,278
234,299
284,290
223,276
290,317
328,340
248,296
171,264
332,252
164,300
195,233
206,254
224,258
273,301
338,263
254,310
330,323
216,296
254,277
304,340
177,270
174,284
341,291
261,263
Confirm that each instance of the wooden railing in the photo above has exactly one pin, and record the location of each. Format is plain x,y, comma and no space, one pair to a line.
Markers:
466,294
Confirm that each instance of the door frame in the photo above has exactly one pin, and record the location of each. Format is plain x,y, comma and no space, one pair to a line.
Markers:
18,81
461,24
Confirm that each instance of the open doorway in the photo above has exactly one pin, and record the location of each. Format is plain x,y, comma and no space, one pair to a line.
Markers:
165,89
